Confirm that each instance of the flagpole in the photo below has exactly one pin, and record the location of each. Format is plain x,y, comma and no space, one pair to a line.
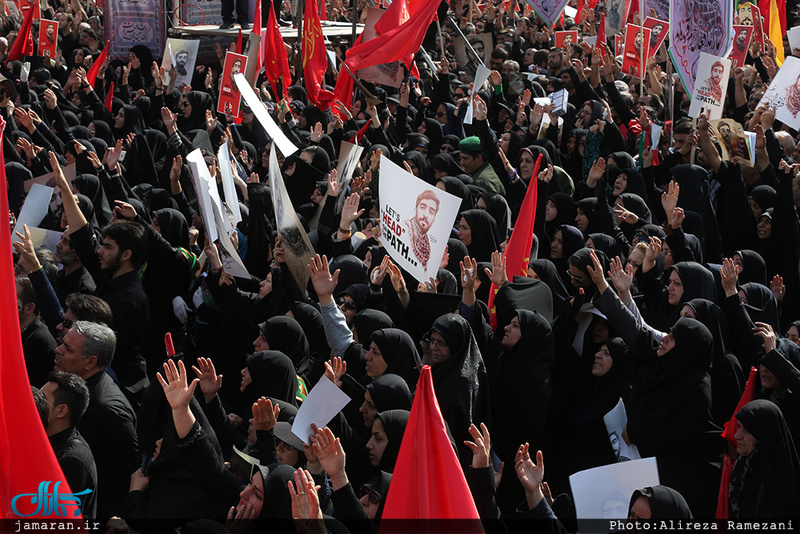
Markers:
642,60
466,42
441,41
355,20
670,100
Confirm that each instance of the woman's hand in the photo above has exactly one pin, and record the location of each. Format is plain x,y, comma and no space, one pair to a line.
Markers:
498,273
265,415
729,274
177,390
324,283
335,369
597,274
210,381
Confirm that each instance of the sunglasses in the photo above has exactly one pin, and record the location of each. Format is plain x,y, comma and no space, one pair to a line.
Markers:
348,304
373,498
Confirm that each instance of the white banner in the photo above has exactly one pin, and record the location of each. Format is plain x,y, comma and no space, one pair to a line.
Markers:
710,86
349,156
286,147
698,26
783,93
231,204
416,220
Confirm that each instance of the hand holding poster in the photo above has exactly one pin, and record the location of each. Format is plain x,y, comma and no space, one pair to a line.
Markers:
783,93
566,39
48,38
710,86
416,220
659,29
733,140
741,44
637,46
229,95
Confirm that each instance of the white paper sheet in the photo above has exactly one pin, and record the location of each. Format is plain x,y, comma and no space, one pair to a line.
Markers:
321,405
34,210
283,143
229,185
481,75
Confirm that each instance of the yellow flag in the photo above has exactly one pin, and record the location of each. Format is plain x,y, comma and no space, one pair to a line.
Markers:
775,34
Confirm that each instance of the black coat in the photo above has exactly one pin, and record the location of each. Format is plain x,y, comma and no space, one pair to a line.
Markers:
39,348
76,460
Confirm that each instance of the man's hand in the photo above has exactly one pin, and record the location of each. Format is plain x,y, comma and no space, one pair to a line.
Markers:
28,260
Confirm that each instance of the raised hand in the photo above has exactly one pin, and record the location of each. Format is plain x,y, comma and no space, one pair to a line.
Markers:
177,389
350,211
265,415
335,370
379,272
596,272
530,475
622,278
330,454
305,503
324,283
334,187
766,333
210,381
777,287
481,447
729,274
669,198
624,215
27,251
498,272
316,133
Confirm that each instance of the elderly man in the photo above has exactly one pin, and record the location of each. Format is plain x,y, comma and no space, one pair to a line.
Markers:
109,425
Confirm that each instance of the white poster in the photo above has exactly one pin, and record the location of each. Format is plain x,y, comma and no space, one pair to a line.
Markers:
323,402
232,212
34,210
616,420
416,220
605,492
349,156
294,238
481,75
274,131
783,93
710,86
794,37
698,26
549,10
183,54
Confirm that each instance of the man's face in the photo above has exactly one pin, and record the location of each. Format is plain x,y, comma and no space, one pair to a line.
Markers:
638,40
426,214
182,58
527,59
679,140
656,31
470,163
69,355
84,39
110,255
742,36
66,323
755,98
50,30
716,74
63,22
65,254
236,68
479,49
567,40
555,61
725,132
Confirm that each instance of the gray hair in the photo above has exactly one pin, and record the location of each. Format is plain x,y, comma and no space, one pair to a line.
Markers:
98,339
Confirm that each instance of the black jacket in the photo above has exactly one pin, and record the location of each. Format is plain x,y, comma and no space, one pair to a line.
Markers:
76,460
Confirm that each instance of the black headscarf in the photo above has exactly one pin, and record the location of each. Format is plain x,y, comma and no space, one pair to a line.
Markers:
754,269
461,382
762,306
394,425
390,392
285,334
565,212
546,271
91,186
200,102
134,122
456,251
457,188
273,375
400,354
497,206
485,234
173,227
665,503
698,282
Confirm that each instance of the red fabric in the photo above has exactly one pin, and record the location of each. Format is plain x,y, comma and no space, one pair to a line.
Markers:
428,482
109,97
22,436
601,31
724,483
361,133
518,250
257,22
747,396
239,42
276,62
581,4
37,10
764,6
91,76
23,44
323,10
399,43
592,4
315,61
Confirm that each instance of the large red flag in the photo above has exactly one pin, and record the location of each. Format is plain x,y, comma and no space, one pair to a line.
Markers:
518,250
315,61
110,98
428,483
276,62
257,22
23,44
28,468
765,7
91,76
399,43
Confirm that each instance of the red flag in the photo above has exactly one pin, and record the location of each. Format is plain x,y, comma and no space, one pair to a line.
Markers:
581,4
23,44
257,22
601,31
110,97
315,61
399,43
428,482
276,62
360,134
518,250
22,436
323,10
747,396
724,488
239,42
765,7
91,76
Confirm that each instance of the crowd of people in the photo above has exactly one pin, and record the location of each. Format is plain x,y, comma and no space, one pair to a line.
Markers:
660,274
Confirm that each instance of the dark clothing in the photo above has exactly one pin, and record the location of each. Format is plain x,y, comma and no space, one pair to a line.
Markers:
39,348
76,460
78,281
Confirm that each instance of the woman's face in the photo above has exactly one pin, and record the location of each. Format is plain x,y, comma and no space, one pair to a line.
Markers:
602,362
317,197
79,56
440,184
422,128
186,107
667,344
757,211
287,454
368,410
675,288
578,277
253,494
441,114
374,362
764,228
557,246
370,501
620,184
377,443
600,331
745,441
505,139
688,312
414,169
260,343
550,212
768,380
512,335
265,287
640,510
119,120
440,352
246,379
526,165
581,221
465,232
793,335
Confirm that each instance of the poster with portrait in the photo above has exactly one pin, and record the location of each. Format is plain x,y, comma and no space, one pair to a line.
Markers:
182,53
48,38
758,27
297,247
637,45
697,27
604,493
616,16
710,86
229,95
566,39
615,420
783,93
659,29
391,74
745,14
416,220
619,44
481,43
548,10
733,140
741,44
